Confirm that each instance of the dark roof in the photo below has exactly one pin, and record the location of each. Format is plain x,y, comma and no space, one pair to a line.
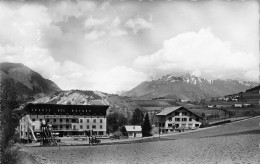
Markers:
62,109
169,110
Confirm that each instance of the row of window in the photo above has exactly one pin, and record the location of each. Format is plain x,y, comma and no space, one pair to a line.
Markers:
183,113
182,125
177,125
72,120
182,119
81,127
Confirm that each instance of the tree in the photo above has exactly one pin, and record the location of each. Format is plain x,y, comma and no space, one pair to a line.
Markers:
146,127
122,129
9,120
203,115
114,121
138,117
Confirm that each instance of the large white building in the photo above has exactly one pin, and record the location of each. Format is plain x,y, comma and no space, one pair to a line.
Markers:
65,120
172,118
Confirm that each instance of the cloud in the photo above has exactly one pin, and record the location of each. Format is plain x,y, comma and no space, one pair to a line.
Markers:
91,22
117,79
21,42
61,11
93,35
200,53
136,24
20,26
97,28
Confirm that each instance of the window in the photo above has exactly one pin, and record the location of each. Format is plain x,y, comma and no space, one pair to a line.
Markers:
184,119
60,120
177,113
169,125
184,113
190,119
60,126
197,125
33,119
81,126
94,120
100,127
100,120
54,120
87,126
93,126
170,119
177,119
74,127
81,121
87,120
67,126
177,125
67,120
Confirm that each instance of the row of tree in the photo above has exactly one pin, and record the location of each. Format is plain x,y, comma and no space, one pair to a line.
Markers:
116,123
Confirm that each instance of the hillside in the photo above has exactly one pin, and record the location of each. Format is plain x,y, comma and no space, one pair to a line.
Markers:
75,97
187,87
27,81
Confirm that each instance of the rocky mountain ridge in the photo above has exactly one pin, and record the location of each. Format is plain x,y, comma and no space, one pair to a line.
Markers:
187,87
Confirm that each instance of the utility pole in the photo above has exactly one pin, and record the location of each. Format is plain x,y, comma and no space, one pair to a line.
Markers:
159,125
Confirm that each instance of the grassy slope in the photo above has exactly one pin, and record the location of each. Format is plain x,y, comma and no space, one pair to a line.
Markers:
244,126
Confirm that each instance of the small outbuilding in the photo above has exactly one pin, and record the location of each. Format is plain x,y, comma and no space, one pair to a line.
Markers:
134,130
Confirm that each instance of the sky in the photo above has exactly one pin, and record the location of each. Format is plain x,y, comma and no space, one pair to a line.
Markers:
113,46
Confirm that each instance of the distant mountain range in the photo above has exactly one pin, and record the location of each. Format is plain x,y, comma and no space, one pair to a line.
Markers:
187,87
27,81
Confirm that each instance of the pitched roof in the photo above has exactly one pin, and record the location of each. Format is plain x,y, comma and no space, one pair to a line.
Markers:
133,128
168,110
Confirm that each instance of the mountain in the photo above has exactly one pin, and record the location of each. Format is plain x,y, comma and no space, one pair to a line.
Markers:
187,87
75,97
27,81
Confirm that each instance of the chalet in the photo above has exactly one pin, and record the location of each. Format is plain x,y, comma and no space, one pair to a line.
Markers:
238,105
172,118
65,120
134,130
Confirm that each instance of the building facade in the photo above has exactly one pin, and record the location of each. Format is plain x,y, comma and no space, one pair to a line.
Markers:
172,118
134,130
65,120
